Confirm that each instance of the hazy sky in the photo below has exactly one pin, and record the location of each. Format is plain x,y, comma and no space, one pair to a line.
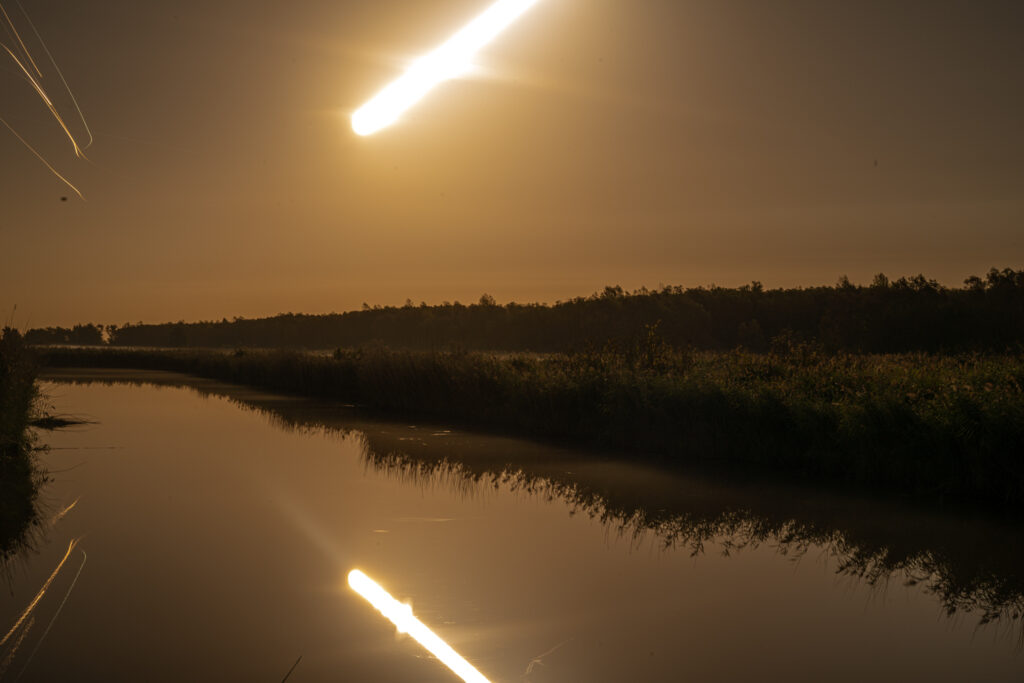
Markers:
631,142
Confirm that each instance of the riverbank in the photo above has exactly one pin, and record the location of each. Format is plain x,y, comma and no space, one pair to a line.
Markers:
945,429
19,476
199,485
972,563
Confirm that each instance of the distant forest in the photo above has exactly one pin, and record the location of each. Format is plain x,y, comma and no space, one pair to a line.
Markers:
908,314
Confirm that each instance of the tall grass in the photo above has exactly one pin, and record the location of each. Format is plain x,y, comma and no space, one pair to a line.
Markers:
944,428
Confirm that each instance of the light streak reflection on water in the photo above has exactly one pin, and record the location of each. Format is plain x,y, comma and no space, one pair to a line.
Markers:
402,617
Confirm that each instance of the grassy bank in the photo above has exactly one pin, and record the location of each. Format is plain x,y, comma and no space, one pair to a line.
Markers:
942,428
19,478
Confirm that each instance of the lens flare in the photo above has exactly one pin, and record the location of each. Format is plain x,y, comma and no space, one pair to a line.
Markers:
401,616
453,59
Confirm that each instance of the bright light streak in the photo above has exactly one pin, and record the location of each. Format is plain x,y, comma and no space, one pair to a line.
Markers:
401,616
34,76
74,100
452,59
42,159
37,86
39,596
21,42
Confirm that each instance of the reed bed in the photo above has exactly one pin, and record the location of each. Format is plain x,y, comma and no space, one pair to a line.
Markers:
947,428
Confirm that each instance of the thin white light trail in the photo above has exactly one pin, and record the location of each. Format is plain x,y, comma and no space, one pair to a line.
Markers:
74,100
450,60
34,76
37,86
53,620
42,159
24,49
401,616
39,596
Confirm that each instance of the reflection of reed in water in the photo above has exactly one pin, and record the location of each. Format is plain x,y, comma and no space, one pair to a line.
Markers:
23,520
970,564
19,486
969,574
23,524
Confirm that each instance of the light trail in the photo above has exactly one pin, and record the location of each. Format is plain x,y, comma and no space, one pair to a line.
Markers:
401,616
60,515
450,60
53,62
39,596
14,648
37,86
53,620
42,159
34,76
14,30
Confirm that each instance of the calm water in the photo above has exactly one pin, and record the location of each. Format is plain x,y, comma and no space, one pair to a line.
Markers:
213,542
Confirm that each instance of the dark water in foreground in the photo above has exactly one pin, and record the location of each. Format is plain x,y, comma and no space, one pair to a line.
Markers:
213,542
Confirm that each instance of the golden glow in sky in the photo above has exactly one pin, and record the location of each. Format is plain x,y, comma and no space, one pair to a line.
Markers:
451,60
401,616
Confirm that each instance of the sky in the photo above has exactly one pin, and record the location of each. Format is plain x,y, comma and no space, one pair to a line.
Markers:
597,142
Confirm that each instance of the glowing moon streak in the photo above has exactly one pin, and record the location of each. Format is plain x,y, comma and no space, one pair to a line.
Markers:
451,60
401,616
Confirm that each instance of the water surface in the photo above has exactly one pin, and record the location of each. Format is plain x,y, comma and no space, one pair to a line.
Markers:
213,542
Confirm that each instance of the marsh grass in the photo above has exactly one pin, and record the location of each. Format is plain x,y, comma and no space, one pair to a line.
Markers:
946,428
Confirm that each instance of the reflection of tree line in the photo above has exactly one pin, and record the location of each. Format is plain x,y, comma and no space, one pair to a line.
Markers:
970,564
908,314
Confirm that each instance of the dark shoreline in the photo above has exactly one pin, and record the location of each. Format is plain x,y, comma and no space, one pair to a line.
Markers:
943,430
20,476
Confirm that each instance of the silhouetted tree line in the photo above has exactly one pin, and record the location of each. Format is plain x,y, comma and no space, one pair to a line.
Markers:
908,314
79,335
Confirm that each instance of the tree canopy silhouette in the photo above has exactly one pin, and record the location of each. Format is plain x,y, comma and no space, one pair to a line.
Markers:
907,314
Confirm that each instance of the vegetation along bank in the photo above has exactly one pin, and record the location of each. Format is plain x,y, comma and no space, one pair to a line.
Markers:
944,428
20,478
